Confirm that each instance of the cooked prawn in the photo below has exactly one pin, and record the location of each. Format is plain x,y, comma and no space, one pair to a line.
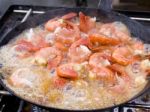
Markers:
24,77
122,55
122,78
59,82
99,59
67,71
105,75
61,46
97,41
68,33
52,24
86,23
24,45
69,15
120,71
19,78
111,30
37,42
79,52
49,56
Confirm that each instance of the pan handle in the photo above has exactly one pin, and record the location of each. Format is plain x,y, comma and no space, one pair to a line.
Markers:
105,5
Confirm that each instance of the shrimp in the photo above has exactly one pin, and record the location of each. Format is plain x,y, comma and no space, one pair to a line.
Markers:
24,45
122,55
97,40
69,15
67,71
99,59
52,24
21,51
27,48
61,46
59,82
24,77
40,42
68,33
37,42
86,23
138,47
111,30
120,71
105,75
122,78
145,65
49,56
78,52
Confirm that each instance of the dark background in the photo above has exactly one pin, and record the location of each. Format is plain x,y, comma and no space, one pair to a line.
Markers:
4,4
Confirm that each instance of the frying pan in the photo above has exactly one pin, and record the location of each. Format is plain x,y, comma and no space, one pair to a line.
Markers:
136,29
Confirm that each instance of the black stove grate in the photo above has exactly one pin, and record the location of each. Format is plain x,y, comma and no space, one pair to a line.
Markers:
19,13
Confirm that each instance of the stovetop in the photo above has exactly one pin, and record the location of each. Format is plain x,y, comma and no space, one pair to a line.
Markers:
19,13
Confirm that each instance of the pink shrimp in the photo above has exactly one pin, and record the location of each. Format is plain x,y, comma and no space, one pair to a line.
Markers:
67,71
86,23
99,59
105,75
49,56
78,52
28,47
69,15
111,30
122,78
37,42
24,77
52,24
68,33
59,82
98,42
122,55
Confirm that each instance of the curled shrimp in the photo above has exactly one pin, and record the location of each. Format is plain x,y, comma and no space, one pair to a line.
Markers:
24,45
67,71
24,77
26,48
86,23
102,39
37,42
122,55
68,33
99,42
59,82
69,15
99,59
52,24
112,30
105,75
122,78
79,52
138,47
49,56
120,70
61,46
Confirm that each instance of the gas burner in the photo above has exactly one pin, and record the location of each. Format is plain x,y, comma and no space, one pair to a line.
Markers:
38,109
